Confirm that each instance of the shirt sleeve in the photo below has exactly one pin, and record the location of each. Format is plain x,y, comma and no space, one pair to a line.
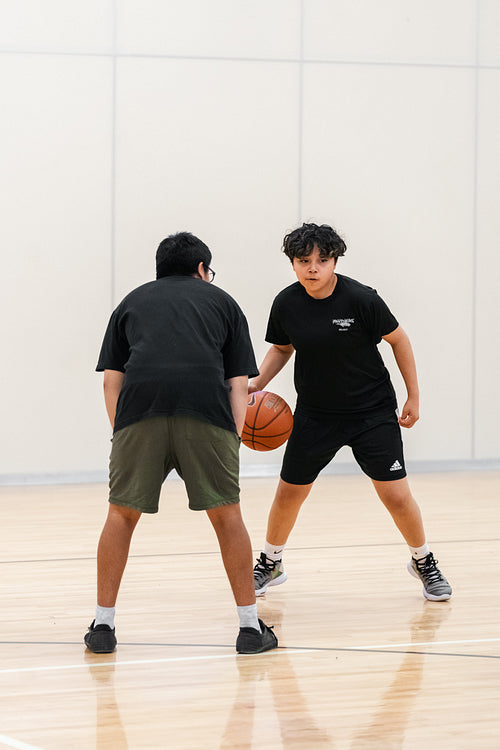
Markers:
275,333
115,350
238,354
383,321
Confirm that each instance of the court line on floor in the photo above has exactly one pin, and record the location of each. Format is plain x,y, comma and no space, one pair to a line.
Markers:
281,650
216,552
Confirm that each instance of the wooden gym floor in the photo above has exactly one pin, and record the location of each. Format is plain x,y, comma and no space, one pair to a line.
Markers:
364,660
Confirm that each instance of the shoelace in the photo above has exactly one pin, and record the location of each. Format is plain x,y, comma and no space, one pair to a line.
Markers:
264,567
428,568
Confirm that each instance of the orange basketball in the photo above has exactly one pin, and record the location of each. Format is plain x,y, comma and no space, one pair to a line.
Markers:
268,421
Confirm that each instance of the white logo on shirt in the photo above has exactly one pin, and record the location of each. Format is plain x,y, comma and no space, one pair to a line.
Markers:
343,323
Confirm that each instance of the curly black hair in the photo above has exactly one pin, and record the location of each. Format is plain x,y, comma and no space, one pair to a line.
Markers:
300,242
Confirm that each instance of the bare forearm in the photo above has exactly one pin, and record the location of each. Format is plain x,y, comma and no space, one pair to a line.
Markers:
405,361
403,354
238,398
274,361
113,381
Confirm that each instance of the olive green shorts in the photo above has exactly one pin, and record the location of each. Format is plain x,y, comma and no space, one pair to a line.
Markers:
206,457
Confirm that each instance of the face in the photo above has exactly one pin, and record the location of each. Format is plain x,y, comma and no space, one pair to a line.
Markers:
316,274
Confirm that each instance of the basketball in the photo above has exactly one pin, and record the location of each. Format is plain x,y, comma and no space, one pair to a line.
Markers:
268,421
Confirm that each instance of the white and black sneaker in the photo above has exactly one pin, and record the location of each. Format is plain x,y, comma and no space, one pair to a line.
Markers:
267,573
436,587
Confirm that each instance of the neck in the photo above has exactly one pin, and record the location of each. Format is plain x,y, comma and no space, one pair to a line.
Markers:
323,294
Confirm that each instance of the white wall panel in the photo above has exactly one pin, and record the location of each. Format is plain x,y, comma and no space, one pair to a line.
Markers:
380,132
487,319
209,147
390,30
56,26
55,136
388,158
220,28
489,32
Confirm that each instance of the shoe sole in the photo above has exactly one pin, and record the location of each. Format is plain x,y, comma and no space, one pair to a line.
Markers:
431,597
268,647
99,649
260,651
274,582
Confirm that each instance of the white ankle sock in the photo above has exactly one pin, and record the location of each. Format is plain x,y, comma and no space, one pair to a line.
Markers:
248,617
105,616
274,551
419,552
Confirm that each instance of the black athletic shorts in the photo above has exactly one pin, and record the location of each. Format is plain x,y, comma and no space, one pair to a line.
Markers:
375,442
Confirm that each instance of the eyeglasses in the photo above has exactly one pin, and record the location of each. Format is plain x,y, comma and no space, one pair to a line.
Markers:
211,274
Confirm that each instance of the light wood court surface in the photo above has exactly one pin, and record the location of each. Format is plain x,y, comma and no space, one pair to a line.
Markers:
364,661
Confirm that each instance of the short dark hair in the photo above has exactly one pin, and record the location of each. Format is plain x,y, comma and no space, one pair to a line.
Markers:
180,255
300,242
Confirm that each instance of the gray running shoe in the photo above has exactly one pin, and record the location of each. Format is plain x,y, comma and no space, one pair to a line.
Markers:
267,573
436,587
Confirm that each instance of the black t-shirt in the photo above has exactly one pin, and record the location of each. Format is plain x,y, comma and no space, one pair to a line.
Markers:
338,367
177,339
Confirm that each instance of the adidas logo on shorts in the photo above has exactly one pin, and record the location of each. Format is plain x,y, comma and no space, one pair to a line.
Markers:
396,466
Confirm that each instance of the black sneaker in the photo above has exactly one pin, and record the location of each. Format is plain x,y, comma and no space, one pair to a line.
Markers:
267,573
250,641
100,639
436,587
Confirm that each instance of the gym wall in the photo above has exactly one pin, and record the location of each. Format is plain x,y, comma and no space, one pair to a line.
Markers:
124,121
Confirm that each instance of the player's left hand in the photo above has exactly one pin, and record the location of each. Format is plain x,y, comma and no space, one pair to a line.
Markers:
409,415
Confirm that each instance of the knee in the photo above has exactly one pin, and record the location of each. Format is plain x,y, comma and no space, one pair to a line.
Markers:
226,519
119,514
400,502
291,494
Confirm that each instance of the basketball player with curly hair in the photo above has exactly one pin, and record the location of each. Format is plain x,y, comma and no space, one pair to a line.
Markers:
334,324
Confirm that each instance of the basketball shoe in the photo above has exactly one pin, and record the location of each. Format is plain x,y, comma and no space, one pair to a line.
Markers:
250,641
100,639
436,587
267,573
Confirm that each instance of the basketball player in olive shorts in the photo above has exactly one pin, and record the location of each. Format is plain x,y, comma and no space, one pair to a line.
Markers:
176,358
344,397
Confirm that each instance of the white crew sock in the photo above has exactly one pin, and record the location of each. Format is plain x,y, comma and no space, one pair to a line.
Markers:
419,552
274,552
248,617
105,616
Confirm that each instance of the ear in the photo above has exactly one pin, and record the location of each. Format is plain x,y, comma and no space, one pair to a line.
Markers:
200,271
